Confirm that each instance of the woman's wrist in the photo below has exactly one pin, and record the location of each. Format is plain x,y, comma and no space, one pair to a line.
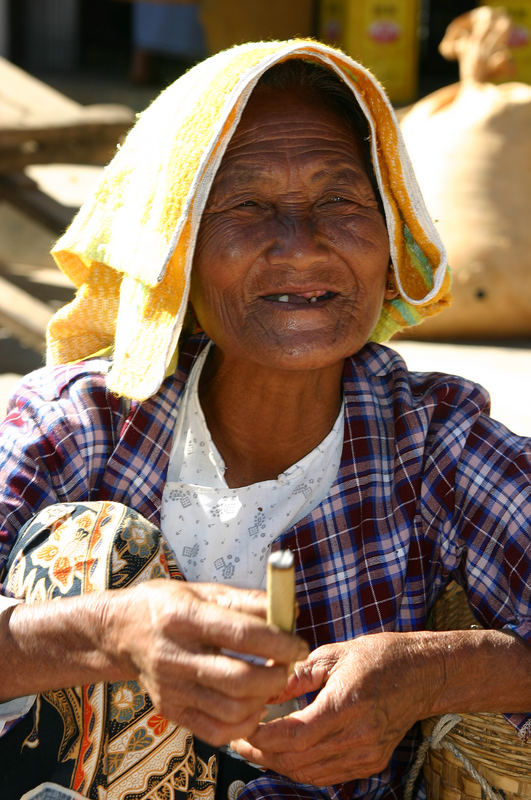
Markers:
64,642
471,669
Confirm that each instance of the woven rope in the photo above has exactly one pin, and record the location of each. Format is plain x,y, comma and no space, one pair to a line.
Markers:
436,740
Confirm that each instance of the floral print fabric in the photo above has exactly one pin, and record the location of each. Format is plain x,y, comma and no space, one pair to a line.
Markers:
105,741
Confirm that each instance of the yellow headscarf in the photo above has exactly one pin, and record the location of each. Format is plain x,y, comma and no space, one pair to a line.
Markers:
129,249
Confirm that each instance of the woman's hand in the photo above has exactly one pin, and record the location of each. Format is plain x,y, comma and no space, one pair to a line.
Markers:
169,635
175,638
367,702
373,688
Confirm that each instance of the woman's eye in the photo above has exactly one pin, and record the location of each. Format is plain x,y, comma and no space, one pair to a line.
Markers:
247,204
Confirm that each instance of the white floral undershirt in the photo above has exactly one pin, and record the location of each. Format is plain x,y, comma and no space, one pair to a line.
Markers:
222,534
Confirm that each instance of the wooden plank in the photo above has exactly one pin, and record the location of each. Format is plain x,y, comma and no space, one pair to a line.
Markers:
25,100
86,143
24,316
94,114
22,192
39,125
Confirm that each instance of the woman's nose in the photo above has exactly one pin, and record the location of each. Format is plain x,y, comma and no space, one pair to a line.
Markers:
296,241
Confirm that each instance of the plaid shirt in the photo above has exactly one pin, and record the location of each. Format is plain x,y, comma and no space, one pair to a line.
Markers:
429,489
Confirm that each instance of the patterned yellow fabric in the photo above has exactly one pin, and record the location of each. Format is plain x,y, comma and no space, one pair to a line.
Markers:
129,250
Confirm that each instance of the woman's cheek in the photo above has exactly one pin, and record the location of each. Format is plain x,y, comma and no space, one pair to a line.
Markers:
218,309
224,249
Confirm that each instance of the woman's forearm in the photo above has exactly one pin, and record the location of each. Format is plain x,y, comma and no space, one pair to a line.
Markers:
483,670
58,643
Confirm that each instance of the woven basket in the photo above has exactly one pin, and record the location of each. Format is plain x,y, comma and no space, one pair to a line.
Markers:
487,740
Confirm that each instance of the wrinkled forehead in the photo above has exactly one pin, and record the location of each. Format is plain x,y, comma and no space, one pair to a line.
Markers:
318,80
321,88
297,100
293,119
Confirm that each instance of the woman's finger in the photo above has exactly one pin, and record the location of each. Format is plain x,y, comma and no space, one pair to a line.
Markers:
300,731
336,760
223,707
225,628
247,601
237,678
277,738
175,616
215,731
308,675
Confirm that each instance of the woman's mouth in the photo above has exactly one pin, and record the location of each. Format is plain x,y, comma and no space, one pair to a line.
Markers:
300,298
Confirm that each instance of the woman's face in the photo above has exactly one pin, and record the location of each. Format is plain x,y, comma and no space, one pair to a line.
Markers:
292,253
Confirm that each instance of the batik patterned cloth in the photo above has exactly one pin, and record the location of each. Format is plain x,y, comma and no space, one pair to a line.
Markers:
105,741
129,250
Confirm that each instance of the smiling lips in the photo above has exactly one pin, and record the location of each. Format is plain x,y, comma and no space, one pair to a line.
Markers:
300,298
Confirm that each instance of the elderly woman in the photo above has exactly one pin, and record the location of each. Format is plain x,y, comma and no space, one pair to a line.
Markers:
259,231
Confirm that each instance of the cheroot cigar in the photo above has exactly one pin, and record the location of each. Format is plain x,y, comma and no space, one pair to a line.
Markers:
281,590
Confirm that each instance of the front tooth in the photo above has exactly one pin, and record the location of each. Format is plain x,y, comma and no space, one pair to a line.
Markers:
283,298
313,299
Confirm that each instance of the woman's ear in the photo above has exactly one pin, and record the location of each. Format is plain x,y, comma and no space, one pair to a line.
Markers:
390,288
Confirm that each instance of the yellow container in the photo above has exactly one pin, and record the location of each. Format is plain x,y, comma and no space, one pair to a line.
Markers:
520,38
382,35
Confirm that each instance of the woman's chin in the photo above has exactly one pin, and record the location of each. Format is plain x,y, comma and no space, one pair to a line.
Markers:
303,352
